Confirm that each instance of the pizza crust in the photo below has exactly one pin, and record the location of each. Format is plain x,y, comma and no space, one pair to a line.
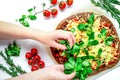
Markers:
84,15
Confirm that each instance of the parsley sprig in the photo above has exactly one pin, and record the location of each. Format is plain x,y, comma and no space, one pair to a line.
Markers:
14,70
109,6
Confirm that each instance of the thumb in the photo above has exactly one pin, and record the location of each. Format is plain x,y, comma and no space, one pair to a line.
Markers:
71,76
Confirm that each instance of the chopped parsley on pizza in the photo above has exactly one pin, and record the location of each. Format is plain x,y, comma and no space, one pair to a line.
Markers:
97,45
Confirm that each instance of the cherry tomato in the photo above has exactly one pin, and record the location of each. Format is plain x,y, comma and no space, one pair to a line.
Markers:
41,64
69,2
54,12
31,62
28,55
37,58
53,2
62,5
46,13
34,68
34,51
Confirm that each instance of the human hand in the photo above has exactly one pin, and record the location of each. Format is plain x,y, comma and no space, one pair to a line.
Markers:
51,38
55,72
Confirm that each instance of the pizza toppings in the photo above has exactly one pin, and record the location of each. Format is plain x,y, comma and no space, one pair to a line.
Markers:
94,44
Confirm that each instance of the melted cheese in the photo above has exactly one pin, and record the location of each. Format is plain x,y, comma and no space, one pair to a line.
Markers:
107,53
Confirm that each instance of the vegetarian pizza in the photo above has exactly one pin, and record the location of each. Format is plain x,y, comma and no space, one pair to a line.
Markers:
97,45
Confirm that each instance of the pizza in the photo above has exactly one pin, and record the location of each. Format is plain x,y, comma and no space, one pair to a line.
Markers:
96,40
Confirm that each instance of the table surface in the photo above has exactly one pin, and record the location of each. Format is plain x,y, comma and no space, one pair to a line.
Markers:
13,9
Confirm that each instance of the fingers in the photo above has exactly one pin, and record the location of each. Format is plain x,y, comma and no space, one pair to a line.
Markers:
59,46
70,76
72,40
67,35
60,67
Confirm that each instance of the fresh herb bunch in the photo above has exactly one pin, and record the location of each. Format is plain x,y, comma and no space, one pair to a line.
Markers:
109,6
13,49
81,66
10,71
31,16
11,63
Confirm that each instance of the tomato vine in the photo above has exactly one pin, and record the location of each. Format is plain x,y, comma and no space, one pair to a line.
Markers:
50,11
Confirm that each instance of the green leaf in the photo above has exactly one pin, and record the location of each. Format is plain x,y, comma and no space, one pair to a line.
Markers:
13,49
72,30
86,63
109,40
63,53
92,42
78,67
32,17
103,32
24,16
90,57
68,66
25,23
99,52
115,2
82,26
68,71
71,61
76,47
95,3
91,19
86,51
81,43
30,10
82,76
91,35
78,60
89,70
62,41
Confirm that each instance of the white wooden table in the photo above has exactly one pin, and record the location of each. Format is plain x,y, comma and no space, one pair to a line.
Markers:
10,10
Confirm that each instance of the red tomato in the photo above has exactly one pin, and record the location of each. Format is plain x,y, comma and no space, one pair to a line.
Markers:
34,51
34,68
75,19
112,62
61,59
37,58
69,2
46,13
41,64
62,5
53,2
106,24
31,62
117,51
54,12
57,55
28,55
113,45
93,68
